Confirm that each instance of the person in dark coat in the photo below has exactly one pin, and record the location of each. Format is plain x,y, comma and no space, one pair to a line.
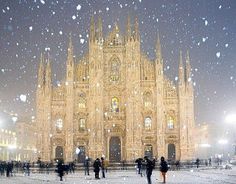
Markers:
163,168
197,162
96,166
28,168
149,168
139,164
8,169
86,166
103,166
60,170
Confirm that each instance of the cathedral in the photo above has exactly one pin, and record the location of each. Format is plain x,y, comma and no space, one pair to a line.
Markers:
115,102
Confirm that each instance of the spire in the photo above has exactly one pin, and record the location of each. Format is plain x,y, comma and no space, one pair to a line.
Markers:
181,69
158,50
41,71
136,30
188,68
70,52
100,36
128,28
92,29
48,80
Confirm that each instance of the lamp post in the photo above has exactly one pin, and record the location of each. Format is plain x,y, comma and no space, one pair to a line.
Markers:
231,118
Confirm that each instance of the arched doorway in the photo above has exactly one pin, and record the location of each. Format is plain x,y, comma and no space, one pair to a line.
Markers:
81,154
148,151
59,152
115,149
171,152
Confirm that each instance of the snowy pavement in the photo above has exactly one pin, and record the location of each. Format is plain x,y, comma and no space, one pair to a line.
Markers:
214,176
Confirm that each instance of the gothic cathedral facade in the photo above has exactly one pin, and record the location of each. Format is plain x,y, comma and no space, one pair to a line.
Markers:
115,102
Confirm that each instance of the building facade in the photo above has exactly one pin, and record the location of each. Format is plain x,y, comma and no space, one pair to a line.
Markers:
26,140
115,102
8,145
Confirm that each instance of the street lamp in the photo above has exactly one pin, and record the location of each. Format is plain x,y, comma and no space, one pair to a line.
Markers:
231,118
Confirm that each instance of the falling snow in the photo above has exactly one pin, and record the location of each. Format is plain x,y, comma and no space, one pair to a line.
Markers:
32,27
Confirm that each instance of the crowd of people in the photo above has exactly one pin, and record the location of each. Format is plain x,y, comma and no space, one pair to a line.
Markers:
144,167
7,168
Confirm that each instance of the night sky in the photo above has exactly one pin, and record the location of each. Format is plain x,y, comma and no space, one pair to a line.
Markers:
206,28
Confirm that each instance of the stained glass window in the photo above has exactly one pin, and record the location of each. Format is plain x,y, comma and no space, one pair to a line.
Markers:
59,125
115,104
170,122
82,124
147,99
115,70
148,123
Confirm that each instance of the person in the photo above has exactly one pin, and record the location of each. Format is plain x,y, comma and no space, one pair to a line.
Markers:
106,165
28,168
96,166
86,166
139,164
123,165
149,168
177,164
209,161
197,162
60,170
103,166
163,168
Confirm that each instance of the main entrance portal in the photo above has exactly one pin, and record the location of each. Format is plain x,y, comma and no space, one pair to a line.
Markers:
115,149
59,152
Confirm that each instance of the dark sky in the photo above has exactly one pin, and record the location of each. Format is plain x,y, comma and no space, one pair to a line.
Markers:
206,27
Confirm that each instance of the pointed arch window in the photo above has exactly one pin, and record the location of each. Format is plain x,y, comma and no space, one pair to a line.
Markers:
82,101
147,99
82,124
148,123
59,125
115,104
170,122
115,70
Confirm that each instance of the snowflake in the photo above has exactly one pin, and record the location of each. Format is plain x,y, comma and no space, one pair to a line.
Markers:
226,45
206,22
30,28
81,40
220,6
78,7
42,1
73,17
14,119
23,98
60,32
107,8
218,54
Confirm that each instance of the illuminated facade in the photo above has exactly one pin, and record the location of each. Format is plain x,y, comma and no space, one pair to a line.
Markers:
26,140
8,142
115,102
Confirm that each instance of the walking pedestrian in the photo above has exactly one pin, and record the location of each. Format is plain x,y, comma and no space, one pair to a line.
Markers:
149,169
86,165
103,166
197,162
96,166
60,170
163,168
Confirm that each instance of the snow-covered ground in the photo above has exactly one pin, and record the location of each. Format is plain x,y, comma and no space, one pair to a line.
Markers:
214,176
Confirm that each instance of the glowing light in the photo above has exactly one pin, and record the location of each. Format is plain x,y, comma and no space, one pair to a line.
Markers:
223,141
231,118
